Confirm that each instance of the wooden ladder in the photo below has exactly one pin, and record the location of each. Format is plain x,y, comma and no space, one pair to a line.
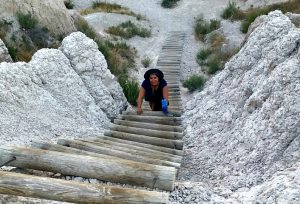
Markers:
140,150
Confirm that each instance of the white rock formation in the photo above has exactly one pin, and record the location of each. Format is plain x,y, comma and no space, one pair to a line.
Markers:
4,55
50,14
53,96
91,66
245,125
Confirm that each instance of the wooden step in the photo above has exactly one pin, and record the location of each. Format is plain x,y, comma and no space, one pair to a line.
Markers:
134,173
148,132
129,148
119,152
169,143
139,144
75,192
152,119
147,125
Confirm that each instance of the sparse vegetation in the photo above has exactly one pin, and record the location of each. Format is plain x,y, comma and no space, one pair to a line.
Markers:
194,82
169,3
128,30
26,21
248,16
202,27
69,4
99,6
146,62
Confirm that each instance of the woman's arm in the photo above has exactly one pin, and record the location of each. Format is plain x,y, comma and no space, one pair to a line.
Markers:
140,100
166,93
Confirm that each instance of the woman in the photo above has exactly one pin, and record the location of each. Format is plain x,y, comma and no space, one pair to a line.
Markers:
154,88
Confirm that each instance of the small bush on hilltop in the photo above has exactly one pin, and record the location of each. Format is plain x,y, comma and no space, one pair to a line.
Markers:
69,4
169,3
194,82
146,62
202,27
99,6
248,16
128,30
232,12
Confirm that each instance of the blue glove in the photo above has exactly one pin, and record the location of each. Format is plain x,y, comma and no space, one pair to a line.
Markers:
164,105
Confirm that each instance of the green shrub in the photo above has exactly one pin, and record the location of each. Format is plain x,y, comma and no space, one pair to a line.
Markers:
26,21
202,55
213,64
202,27
69,4
169,3
194,82
146,62
232,12
214,24
128,30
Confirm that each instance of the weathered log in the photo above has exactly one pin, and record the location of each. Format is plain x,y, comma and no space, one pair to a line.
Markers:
148,132
135,150
114,170
148,125
71,150
75,192
154,147
116,152
176,144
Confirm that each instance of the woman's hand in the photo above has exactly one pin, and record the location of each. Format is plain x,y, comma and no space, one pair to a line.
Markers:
139,111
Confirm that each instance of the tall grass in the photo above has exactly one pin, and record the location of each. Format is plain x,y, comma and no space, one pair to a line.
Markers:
128,30
130,89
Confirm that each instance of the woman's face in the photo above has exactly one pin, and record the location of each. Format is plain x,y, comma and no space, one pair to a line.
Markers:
153,80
